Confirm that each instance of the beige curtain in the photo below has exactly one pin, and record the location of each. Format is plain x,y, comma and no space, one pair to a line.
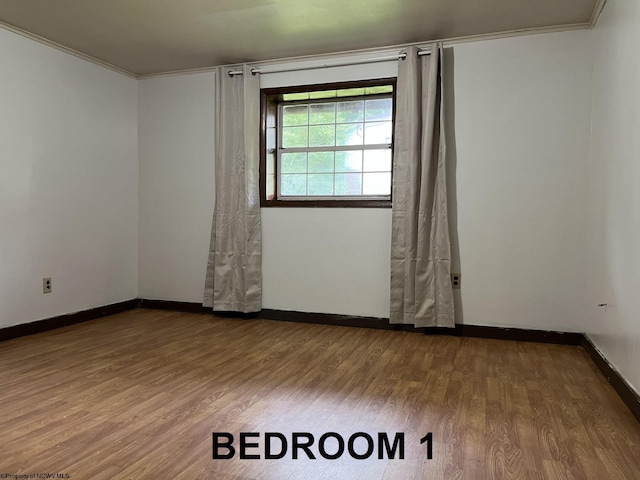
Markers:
234,269
421,292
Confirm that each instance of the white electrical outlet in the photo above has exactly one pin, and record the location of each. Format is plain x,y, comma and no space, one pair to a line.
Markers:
46,285
456,280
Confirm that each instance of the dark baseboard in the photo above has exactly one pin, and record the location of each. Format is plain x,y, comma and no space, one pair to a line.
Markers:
330,319
622,388
21,330
190,307
460,330
185,307
519,334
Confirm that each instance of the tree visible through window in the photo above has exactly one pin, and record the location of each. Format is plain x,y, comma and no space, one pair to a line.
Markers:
328,145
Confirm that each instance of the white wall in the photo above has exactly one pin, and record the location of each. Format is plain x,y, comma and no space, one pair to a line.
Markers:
176,185
614,190
68,183
522,110
327,260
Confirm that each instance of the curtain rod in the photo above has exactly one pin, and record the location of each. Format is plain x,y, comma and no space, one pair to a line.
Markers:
328,65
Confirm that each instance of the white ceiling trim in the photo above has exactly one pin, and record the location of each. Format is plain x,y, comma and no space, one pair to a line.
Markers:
597,11
70,51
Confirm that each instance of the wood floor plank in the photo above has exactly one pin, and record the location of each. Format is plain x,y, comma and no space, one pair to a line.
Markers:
137,395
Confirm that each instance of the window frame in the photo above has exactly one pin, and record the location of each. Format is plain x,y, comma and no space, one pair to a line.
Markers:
270,104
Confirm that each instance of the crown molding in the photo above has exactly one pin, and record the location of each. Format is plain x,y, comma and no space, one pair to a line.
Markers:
512,33
597,11
62,48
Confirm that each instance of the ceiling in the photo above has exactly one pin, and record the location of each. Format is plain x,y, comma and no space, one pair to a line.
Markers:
152,36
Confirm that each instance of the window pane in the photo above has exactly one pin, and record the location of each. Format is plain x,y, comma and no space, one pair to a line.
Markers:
349,134
271,186
287,97
271,138
270,163
378,110
322,135
348,184
324,94
376,184
321,184
345,92
295,115
330,143
350,92
320,162
350,111
295,137
293,162
375,133
377,160
350,161
295,184
322,113
380,89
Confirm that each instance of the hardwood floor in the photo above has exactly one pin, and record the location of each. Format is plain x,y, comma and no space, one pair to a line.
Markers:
138,395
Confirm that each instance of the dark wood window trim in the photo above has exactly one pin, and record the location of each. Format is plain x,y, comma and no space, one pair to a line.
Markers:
269,100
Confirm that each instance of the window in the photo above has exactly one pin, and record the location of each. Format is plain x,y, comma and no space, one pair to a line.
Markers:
327,145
